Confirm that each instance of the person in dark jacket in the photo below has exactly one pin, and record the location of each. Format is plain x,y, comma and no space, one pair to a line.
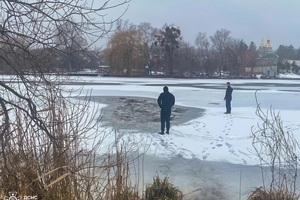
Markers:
166,101
228,98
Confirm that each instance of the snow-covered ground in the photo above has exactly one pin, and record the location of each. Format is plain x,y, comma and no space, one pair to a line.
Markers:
213,152
210,152
289,75
214,136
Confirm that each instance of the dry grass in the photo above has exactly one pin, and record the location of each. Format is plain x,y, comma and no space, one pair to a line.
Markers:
72,165
58,152
261,194
276,150
162,190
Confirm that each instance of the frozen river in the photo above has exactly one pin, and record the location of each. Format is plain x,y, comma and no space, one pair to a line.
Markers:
282,94
211,151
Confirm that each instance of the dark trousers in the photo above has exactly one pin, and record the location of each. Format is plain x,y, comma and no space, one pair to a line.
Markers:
228,106
165,119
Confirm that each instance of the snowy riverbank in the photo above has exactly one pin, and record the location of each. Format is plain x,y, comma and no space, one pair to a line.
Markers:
209,150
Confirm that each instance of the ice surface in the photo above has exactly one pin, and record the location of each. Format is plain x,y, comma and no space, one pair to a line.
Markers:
211,151
214,136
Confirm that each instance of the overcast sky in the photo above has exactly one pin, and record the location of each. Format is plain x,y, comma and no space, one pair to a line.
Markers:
251,20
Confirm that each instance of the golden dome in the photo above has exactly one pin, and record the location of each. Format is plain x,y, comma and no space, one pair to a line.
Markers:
268,43
262,43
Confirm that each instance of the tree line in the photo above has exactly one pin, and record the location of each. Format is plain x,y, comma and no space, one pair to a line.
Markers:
145,50
141,50
69,50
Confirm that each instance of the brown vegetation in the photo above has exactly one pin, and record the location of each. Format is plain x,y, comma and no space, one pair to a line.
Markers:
277,153
162,190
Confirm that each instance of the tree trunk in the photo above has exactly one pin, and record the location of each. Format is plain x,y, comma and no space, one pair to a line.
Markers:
171,62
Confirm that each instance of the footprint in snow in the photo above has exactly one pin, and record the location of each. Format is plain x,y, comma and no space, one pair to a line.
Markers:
241,152
228,145
233,152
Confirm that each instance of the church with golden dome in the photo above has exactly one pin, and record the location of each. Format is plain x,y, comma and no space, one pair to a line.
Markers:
267,60
265,49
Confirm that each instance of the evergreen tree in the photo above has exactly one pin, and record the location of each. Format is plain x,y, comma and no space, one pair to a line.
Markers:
252,46
169,41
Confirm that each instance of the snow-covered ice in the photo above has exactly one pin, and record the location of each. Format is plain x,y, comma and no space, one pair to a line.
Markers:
210,151
214,136
213,152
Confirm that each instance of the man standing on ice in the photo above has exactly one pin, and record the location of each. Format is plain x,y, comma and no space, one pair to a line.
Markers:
166,101
228,98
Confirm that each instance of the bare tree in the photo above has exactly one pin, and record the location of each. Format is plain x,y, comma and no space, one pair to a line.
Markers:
70,40
278,153
236,56
204,52
220,41
40,129
202,43
185,60
148,37
27,26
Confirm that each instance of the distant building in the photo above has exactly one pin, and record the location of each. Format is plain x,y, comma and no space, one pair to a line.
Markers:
103,70
265,49
296,62
267,60
293,66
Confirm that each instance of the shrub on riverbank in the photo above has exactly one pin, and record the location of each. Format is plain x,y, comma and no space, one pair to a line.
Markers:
277,150
262,194
162,190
